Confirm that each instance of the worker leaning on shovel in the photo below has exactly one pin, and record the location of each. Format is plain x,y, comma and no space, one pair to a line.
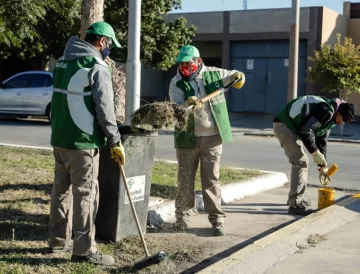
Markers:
208,128
82,121
305,124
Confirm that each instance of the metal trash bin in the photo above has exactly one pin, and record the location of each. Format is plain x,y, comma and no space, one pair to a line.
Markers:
114,220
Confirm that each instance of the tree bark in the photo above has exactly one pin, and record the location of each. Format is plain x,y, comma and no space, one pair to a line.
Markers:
343,94
91,11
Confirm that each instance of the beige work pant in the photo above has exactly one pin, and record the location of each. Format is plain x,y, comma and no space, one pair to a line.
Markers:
208,151
297,155
74,199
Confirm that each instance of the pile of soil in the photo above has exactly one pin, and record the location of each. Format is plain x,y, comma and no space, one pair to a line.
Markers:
316,238
181,252
159,115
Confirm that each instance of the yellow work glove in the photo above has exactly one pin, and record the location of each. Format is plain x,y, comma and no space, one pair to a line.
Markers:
118,152
238,76
319,158
194,101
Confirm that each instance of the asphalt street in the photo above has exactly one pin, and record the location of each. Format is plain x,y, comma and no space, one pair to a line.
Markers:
250,152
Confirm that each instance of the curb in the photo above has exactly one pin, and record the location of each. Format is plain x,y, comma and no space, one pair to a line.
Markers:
24,146
164,211
262,254
270,134
237,191
160,212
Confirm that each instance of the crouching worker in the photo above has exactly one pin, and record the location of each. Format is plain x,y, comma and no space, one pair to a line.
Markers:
208,128
305,124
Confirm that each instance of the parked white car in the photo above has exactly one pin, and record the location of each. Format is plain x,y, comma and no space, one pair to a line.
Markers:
27,93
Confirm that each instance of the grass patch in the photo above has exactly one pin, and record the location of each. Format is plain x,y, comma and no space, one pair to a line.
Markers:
26,177
164,180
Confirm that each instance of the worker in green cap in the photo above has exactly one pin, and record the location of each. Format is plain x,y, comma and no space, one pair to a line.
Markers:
208,128
82,121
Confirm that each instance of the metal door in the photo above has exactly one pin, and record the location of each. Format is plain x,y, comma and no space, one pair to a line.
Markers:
265,65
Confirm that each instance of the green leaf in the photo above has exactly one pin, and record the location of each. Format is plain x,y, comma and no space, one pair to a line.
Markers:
336,68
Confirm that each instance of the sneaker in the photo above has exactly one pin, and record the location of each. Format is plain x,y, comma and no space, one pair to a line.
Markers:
94,258
218,229
180,225
60,249
300,209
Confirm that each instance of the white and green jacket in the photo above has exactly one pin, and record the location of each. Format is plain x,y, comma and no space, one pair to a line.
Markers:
82,108
213,119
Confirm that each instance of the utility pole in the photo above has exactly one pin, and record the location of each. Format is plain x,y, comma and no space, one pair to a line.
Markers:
133,64
244,4
294,51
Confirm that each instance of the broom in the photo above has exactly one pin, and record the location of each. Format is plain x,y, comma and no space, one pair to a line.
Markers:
149,259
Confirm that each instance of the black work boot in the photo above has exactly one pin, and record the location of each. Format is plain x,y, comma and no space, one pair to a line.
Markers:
218,229
94,258
300,209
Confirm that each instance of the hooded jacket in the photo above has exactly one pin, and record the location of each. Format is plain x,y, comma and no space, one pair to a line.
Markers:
311,118
213,118
82,103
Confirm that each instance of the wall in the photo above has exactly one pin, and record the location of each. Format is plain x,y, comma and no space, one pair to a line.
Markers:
208,49
333,23
254,21
152,85
353,27
355,99
206,22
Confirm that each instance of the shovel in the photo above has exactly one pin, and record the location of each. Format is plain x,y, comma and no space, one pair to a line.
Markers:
164,114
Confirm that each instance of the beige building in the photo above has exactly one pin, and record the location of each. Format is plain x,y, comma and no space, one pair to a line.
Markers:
352,15
257,43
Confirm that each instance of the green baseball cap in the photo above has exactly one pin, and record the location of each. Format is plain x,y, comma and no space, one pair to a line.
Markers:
104,29
187,53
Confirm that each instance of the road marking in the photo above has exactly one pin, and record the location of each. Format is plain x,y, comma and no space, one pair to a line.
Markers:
34,147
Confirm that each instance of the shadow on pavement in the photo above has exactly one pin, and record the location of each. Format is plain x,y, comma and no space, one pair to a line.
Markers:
17,121
217,257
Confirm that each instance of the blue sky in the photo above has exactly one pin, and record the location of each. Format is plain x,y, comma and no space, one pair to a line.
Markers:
219,5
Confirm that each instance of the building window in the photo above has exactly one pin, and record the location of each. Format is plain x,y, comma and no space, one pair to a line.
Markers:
355,10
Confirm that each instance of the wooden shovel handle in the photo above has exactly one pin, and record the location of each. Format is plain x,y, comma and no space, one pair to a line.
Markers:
211,95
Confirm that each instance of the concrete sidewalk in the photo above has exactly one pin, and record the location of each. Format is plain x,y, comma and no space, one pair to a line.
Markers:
338,253
248,220
292,249
262,125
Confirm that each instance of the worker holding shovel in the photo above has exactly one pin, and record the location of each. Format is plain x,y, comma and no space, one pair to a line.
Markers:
305,124
208,128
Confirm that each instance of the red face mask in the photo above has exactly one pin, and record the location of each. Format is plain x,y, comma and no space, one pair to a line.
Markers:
188,70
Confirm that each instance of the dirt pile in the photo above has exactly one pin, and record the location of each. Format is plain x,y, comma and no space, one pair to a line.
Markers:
159,115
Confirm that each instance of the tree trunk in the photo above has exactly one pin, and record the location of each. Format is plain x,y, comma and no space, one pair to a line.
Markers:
91,11
343,95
